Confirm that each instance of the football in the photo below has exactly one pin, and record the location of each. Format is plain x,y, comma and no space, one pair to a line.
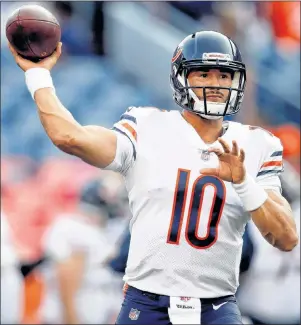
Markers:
33,31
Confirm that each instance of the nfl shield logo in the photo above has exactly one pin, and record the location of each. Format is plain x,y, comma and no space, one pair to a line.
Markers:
185,298
205,154
134,314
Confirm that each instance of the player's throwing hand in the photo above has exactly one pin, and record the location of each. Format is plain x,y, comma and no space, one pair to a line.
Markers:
231,163
47,63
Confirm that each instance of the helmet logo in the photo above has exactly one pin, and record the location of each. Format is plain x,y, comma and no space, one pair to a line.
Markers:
216,56
176,55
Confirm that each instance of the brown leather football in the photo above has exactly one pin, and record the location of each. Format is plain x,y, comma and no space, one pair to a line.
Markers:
33,31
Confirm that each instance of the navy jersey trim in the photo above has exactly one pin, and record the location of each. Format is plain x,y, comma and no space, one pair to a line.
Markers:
134,149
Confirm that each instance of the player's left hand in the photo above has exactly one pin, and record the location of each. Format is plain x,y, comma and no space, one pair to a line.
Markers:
231,163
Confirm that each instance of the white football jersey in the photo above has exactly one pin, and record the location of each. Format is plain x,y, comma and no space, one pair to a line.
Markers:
100,292
186,229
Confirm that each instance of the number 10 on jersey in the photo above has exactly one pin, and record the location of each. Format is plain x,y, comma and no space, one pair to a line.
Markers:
194,211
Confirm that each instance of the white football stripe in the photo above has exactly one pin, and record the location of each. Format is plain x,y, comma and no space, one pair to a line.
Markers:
276,158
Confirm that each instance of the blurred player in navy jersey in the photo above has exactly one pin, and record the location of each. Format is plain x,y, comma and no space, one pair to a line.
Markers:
193,181
119,260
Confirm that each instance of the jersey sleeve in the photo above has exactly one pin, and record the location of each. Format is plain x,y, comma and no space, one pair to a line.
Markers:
272,164
127,129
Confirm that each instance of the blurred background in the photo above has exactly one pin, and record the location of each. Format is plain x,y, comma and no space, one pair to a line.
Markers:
115,55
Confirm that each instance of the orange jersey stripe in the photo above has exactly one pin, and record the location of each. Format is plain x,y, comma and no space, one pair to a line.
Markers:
271,163
130,129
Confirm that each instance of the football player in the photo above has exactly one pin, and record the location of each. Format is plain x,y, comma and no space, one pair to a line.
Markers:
79,287
193,182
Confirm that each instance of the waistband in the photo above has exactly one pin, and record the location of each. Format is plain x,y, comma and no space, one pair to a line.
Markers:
157,297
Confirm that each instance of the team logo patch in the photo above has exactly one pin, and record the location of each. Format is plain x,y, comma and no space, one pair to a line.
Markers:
134,314
185,299
176,56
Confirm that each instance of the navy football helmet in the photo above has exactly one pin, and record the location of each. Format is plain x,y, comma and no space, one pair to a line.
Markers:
207,50
95,194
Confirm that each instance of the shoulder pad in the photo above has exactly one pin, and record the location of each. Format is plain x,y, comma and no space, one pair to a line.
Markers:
260,129
149,108
268,137
141,111
270,144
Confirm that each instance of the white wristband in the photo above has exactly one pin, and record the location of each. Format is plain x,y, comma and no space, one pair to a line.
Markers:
251,194
38,78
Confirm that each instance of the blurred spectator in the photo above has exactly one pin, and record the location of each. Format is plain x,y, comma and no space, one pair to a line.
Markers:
285,20
33,194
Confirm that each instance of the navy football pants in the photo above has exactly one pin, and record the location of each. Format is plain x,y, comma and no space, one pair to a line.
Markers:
140,307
